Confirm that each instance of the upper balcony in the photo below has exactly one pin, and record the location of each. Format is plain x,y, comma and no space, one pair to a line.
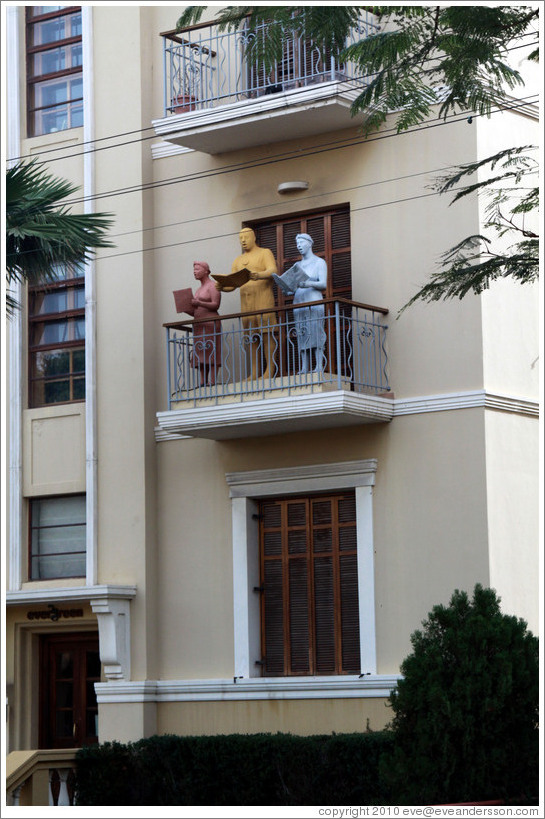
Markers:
214,101
219,384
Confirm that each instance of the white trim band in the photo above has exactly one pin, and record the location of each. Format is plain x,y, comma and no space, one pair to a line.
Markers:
26,597
262,688
269,411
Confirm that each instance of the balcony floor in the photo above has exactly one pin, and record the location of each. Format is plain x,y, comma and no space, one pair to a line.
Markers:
297,412
294,114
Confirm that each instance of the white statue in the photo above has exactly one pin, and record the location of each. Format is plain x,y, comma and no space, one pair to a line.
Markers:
309,321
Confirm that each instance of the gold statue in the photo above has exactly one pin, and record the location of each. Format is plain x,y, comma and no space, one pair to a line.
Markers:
255,294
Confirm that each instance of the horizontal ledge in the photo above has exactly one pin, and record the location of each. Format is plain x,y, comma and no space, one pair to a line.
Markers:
255,688
351,473
291,413
250,417
68,593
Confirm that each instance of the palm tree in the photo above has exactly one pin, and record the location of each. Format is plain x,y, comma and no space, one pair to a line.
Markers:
41,233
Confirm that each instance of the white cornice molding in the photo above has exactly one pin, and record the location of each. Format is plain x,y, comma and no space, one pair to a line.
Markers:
289,412
159,150
268,410
262,688
349,474
465,400
27,597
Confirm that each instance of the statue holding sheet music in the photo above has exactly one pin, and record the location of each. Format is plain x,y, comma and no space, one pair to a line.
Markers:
252,273
307,279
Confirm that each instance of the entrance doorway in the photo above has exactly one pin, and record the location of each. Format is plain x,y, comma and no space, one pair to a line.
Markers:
69,668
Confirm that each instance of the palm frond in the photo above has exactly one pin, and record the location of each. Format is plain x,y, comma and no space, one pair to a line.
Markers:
41,233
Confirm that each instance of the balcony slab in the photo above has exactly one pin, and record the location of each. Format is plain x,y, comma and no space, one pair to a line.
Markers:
276,415
294,114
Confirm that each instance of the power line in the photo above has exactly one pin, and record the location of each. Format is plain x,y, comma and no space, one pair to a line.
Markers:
288,155
229,169
230,233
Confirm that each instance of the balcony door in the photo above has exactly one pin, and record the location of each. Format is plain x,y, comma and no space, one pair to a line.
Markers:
330,230
69,668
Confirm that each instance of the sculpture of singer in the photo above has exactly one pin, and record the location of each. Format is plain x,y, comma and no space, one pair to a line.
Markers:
206,334
256,294
309,321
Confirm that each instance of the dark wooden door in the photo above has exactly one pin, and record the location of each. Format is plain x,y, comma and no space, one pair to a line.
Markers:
70,666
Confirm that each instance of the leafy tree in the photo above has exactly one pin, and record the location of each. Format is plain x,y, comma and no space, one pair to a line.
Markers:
41,233
419,57
466,708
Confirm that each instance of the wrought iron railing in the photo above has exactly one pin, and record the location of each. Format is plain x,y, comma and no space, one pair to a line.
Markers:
205,67
248,356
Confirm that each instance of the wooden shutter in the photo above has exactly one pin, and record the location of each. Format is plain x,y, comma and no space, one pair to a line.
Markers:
330,230
309,610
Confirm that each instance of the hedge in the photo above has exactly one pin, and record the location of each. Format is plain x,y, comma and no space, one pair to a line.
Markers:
235,769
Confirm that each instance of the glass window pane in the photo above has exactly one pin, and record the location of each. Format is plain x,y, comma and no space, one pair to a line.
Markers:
60,540
79,298
65,694
56,392
54,362
76,116
46,567
78,361
64,666
57,511
76,88
54,301
49,122
78,386
47,62
64,723
49,31
51,92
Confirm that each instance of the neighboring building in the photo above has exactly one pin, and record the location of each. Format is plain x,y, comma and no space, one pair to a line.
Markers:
252,556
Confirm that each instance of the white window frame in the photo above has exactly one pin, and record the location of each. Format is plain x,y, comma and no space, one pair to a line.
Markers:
244,489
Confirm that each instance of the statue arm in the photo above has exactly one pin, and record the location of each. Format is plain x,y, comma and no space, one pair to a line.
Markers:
268,262
318,277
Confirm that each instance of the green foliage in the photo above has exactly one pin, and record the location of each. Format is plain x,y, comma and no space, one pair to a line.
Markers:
40,230
422,55
472,264
259,769
466,708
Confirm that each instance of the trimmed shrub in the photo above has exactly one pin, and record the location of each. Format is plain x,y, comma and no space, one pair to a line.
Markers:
466,709
237,769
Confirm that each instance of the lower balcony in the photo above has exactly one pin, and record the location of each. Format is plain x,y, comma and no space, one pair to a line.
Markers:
263,373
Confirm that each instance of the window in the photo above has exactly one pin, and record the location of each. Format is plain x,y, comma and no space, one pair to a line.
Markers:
57,339
309,585
57,537
330,504
54,69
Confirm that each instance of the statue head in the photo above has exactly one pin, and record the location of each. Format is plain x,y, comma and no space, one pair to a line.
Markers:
201,269
301,241
247,238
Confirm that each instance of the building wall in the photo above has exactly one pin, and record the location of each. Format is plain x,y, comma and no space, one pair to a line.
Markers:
455,489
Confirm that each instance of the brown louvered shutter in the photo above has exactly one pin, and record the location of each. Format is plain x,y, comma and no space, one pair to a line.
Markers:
309,610
330,230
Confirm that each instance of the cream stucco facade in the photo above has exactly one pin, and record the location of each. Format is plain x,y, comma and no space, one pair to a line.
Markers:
446,487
